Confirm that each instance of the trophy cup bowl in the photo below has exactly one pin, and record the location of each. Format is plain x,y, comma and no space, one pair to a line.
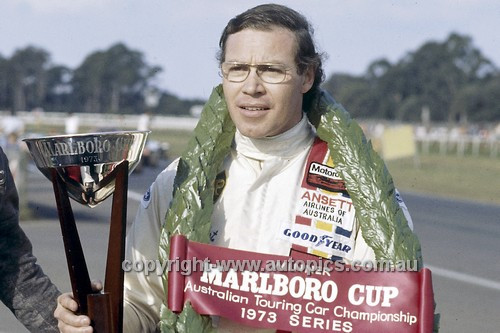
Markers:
89,168
85,161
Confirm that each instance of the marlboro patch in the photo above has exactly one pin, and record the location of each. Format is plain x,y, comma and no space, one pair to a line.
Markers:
325,177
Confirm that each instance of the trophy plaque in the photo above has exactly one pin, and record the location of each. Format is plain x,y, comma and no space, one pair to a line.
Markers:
89,168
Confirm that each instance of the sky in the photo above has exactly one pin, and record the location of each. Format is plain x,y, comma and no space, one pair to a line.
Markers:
182,36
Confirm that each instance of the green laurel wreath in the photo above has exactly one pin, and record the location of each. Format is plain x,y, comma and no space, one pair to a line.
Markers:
367,180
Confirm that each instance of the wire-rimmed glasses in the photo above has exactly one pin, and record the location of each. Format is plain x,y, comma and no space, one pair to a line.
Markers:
267,72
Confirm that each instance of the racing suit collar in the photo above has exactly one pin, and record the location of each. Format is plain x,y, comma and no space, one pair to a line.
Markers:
284,145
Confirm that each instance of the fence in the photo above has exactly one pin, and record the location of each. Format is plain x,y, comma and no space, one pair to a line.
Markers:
458,141
439,139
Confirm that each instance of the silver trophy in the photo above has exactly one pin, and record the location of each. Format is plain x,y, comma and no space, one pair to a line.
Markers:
89,168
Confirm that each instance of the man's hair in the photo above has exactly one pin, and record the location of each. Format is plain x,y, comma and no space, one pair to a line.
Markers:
267,17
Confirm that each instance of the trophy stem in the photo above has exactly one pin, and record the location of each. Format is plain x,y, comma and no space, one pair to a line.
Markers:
78,273
116,246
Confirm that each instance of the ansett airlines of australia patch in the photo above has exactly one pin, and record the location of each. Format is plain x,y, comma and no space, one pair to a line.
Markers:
330,208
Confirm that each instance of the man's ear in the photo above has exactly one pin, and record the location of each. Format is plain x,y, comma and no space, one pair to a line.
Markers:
308,79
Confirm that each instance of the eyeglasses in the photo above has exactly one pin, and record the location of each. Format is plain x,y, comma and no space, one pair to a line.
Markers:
269,73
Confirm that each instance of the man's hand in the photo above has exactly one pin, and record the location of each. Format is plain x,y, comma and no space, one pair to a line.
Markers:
68,321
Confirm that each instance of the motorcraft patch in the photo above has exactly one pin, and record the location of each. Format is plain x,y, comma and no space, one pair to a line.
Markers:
325,177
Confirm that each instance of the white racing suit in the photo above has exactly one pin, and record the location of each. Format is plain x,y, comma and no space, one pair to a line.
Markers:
255,212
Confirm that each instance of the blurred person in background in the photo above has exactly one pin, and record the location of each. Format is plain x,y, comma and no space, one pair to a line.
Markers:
12,124
71,123
11,130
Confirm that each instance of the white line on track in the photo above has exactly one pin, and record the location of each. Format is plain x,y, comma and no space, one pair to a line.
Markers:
463,277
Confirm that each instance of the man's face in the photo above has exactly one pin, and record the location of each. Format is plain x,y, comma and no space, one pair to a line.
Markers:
257,108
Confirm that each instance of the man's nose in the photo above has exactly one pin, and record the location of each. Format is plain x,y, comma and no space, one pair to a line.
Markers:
253,84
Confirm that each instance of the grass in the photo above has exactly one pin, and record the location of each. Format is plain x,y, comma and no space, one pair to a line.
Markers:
467,177
470,178
177,139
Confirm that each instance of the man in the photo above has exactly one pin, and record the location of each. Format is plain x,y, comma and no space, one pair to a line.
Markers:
24,288
271,73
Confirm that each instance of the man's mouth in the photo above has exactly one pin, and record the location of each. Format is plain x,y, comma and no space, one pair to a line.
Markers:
251,108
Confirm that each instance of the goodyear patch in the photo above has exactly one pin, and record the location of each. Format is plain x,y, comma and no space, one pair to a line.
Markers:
318,241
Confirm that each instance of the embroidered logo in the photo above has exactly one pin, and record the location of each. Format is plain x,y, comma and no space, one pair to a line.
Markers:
322,243
146,199
326,207
213,234
220,183
325,177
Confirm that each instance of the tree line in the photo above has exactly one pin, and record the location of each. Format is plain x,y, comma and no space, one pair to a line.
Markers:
452,79
116,80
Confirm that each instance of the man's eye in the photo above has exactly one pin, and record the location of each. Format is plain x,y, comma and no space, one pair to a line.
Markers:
272,69
238,68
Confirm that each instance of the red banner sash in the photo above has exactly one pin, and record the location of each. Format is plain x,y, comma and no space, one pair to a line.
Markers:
341,300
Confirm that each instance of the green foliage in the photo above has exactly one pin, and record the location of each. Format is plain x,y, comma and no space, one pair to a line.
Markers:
448,77
113,81
59,89
192,204
172,105
23,79
479,101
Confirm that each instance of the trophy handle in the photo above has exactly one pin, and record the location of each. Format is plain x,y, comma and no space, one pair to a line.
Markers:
113,283
78,273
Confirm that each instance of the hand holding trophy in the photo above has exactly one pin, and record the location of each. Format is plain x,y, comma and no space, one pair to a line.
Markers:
89,168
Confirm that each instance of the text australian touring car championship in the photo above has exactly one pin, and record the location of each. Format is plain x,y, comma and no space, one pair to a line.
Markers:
306,302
